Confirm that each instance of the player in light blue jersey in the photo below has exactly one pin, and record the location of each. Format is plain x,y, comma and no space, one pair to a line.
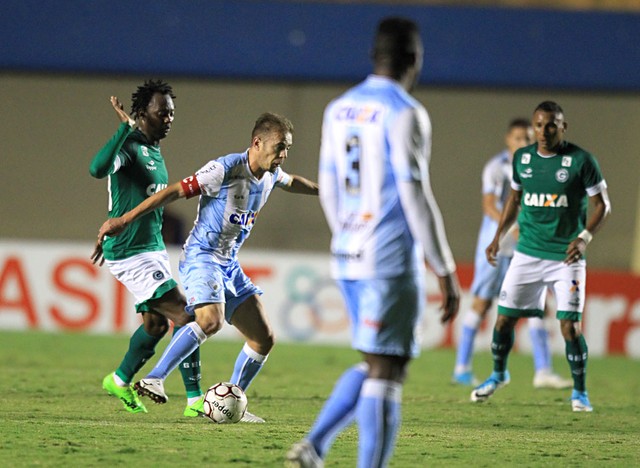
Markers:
496,183
385,223
232,189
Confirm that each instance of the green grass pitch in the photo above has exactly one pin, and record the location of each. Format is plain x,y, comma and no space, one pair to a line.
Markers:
53,411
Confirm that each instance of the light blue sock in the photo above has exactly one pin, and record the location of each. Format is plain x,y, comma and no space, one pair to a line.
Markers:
247,366
339,410
470,324
181,345
378,413
539,344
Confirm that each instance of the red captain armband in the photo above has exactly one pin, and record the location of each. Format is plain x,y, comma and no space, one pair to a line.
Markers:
190,186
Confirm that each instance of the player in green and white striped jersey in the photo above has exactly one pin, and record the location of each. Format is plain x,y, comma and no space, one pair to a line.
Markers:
135,169
553,183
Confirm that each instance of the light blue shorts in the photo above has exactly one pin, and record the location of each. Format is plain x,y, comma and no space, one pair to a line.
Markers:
207,282
487,279
385,314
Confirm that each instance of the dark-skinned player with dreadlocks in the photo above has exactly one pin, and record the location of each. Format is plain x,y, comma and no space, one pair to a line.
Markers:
135,169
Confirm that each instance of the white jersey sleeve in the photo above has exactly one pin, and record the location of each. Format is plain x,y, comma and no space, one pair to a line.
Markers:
410,153
210,178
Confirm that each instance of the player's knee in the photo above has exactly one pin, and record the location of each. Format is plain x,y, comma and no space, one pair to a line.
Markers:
155,324
211,326
570,330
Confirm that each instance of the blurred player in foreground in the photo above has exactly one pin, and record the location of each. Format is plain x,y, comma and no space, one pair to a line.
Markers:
135,168
496,181
232,190
553,182
376,195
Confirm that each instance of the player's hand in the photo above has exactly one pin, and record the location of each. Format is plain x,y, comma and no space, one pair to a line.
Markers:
97,255
450,290
575,251
492,252
122,115
111,227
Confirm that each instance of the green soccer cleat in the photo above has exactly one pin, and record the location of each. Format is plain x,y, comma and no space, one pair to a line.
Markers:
127,395
195,410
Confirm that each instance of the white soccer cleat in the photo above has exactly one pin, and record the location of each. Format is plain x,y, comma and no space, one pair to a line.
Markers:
551,380
303,455
251,418
580,402
152,388
487,388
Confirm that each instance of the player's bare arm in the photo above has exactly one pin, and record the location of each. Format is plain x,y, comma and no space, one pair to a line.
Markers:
120,112
114,226
601,207
301,185
509,215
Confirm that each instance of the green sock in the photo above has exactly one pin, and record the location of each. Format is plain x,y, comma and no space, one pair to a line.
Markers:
577,353
141,347
500,347
190,371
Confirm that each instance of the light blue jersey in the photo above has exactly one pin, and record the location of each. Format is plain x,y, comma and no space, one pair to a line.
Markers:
230,199
374,184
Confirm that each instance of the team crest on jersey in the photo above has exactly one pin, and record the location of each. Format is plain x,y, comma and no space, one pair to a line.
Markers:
566,161
526,158
158,275
546,200
562,175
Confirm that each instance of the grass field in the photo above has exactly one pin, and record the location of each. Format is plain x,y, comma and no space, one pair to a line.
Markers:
53,411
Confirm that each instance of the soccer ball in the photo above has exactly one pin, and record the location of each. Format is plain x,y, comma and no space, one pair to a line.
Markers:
224,403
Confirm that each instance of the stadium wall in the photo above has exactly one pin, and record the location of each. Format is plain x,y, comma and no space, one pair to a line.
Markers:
55,287
297,40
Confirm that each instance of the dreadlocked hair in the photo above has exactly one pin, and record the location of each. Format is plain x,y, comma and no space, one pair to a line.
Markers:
141,98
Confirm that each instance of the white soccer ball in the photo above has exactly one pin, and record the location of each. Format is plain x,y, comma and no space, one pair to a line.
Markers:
224,403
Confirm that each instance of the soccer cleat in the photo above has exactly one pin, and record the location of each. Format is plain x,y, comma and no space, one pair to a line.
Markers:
127,396
580,402
251,418
195,410
152,388
465,378
551,380
303,455
487,388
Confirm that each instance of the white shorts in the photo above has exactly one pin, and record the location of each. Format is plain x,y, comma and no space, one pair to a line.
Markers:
524,287
146,276
385,314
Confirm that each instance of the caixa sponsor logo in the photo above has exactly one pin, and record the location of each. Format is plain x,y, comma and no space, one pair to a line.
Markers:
243,219
155,188
548,200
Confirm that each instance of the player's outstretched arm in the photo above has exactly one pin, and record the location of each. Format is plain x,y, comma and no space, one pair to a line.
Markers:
509,215
114,226
301,185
